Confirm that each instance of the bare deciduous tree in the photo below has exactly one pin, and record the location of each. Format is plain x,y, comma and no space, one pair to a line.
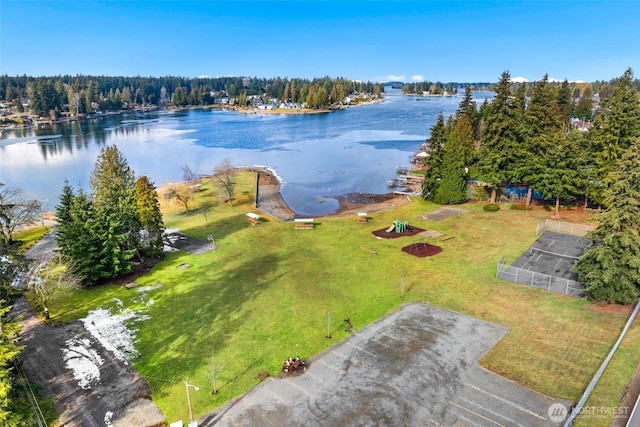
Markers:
188,174
182,195
51,276
15,211
224,175
214,370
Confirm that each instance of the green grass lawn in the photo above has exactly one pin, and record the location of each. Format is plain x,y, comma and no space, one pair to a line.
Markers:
28,237
270,291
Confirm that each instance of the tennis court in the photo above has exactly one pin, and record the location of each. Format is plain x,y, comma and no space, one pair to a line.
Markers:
554,254
549,263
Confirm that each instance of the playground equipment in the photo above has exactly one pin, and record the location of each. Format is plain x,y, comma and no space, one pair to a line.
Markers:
399,226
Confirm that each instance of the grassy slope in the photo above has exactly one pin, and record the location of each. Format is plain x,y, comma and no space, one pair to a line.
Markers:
269,290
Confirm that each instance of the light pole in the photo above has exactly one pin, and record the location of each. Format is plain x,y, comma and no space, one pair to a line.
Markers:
187,385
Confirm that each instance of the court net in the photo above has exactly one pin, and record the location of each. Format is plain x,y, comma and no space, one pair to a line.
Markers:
533,251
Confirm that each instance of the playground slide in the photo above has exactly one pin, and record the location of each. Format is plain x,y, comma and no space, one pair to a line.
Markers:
390,229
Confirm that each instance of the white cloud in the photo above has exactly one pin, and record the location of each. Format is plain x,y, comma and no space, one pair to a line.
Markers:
393,77
417,78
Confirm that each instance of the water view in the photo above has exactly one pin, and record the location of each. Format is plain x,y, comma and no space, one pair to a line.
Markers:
317,157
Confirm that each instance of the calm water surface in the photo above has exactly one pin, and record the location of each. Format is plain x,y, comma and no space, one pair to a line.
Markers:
317,156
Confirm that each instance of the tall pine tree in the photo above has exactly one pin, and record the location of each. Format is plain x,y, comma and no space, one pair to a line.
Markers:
114,204
610,269
501,136
543,136
616,127
435,149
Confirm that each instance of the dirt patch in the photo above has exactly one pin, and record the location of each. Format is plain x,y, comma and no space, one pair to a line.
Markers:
441,214
611,308
352,203
431,234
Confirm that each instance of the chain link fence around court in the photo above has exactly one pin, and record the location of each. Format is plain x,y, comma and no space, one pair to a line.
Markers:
540,280
545,281
563,227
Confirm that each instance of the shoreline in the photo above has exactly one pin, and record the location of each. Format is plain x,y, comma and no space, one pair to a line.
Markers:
270,201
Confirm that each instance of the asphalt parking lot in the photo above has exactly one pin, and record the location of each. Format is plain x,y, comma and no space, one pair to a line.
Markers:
416,366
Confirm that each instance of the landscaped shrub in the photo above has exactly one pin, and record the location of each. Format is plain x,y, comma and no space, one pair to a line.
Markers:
520,207
491,207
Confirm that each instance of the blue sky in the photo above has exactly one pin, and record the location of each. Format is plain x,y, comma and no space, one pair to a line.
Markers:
363,40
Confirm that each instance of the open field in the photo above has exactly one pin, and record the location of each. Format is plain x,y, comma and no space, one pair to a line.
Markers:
270,291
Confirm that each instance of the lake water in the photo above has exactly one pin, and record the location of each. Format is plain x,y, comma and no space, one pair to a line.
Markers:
316,156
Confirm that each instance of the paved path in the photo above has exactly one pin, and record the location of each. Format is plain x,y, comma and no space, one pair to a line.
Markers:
417,366
45,247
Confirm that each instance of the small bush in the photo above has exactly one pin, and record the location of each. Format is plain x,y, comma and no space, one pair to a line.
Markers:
520,207
491,207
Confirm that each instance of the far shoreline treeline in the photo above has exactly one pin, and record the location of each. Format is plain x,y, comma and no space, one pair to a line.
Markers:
79,95
55,98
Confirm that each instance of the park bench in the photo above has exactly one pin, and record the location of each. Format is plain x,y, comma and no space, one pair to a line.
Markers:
254,219
362,217
304,226
303,223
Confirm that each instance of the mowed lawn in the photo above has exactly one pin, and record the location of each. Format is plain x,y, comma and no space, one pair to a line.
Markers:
269,292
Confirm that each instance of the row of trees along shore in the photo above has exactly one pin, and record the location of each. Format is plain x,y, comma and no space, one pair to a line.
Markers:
50,96
529,141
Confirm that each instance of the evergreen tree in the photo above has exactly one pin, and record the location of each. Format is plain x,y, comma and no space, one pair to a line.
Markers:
469,108
564,104
584,108
65,237
610,268
616,126
452,187
500,138
464,143
9,350
435,149
148,213
83,242
560,174
542,121
114,206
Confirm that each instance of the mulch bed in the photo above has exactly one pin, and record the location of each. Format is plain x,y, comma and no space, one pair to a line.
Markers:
411,231
422,250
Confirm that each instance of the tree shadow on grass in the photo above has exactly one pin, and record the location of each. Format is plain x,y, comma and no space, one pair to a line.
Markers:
220,228
203,317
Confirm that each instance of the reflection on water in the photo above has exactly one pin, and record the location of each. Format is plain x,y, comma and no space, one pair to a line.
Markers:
317,156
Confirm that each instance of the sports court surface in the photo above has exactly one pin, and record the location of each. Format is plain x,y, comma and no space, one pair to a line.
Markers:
416,366
554,254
